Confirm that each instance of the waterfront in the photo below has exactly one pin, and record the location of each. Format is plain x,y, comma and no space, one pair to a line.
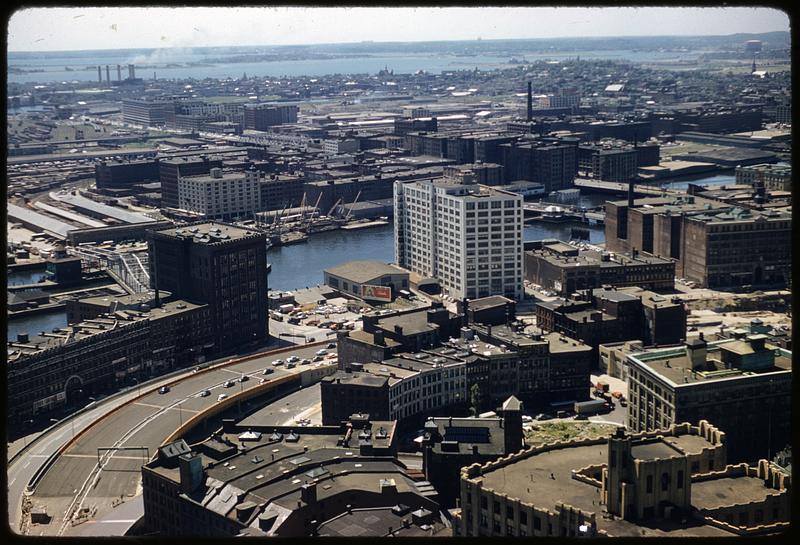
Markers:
301,265
201,63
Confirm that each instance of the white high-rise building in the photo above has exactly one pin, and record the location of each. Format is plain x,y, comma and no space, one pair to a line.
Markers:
466,235
221,195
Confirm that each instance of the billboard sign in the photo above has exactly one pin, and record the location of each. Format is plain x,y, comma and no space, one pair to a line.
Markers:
376,293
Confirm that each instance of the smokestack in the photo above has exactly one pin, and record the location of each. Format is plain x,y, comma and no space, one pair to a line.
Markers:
530,102
99,75
630,194
119,73
108,74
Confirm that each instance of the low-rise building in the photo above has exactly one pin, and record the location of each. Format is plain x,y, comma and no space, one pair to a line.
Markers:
565,269
743,384
372,281
450,443
605,315
671,482
284,482
102,354
775,177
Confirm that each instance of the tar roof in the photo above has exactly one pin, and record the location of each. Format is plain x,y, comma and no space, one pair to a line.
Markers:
208,232
364,271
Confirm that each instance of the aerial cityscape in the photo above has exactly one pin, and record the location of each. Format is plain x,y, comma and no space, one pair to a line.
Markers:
497,272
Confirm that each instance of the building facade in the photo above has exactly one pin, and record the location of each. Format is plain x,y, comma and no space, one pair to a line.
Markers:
743,384
221,195
466,235
220,265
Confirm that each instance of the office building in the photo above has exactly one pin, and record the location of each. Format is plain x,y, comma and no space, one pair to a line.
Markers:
745,384
670,482
220,265
221,195
565,269
467,236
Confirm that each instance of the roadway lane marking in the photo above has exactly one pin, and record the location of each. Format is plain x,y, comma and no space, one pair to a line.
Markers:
94,456
174,407
148,405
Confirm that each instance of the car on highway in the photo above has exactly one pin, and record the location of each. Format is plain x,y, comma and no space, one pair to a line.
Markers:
331,345
544,416
268,371
263,380
276,363
305,361
292,359
244,378
228,384
220,397
163,390
204,393
317,358
321,352
291,365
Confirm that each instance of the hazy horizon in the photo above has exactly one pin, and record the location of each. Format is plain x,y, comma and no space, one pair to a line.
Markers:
41,30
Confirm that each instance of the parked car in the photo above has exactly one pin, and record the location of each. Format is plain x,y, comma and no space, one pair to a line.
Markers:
581,417
163,390
544,416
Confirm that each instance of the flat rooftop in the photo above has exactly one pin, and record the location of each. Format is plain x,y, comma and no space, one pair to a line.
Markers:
209,232
729,491
364,270
546,479
674,365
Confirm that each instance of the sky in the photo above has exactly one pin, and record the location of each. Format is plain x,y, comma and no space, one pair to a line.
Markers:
63,29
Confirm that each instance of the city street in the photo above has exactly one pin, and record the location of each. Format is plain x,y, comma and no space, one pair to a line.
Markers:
73,480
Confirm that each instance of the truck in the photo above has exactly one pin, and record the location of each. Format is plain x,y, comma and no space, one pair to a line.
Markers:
589,407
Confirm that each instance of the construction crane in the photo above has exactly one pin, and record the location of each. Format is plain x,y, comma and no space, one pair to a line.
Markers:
313,211
330,212
349,212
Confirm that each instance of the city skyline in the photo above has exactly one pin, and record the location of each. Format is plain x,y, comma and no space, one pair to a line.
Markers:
44,29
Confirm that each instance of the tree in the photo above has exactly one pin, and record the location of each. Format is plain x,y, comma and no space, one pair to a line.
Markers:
474,399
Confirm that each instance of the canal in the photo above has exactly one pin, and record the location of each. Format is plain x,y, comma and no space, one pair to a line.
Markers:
300,265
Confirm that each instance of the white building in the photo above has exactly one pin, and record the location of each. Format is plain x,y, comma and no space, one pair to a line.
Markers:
220,195
466,235
335,147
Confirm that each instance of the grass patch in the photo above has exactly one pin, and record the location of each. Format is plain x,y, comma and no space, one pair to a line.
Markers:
548,432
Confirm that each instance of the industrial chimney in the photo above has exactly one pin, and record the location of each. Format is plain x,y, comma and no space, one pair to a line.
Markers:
108,74
99,74
530,102
119,73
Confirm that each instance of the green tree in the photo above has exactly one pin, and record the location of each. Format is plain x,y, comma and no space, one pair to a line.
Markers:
474,399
